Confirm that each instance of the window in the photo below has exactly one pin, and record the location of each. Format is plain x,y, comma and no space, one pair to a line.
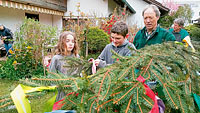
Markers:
32,16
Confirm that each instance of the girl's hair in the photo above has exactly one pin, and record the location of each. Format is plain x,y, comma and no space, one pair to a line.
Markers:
62,47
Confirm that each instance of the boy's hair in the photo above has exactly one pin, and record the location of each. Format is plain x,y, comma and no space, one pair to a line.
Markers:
120,28
62,47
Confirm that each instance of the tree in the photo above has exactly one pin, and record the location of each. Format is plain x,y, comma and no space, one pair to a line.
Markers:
184,12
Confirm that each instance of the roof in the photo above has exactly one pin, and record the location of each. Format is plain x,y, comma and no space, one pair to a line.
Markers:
58,5
198,19
164,10
122,3
22,6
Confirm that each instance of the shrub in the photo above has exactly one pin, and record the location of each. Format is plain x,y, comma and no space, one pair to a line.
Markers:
190,27
194,32
29,49
22,67
97,39
35,35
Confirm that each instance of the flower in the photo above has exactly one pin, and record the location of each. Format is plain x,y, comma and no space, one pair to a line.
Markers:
127,35
15,62
82,14
29,47
17,49
78,4
10,51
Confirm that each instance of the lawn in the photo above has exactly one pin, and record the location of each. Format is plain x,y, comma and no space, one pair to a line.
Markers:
37,104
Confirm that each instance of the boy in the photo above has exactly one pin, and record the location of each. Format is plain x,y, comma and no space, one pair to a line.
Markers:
119,44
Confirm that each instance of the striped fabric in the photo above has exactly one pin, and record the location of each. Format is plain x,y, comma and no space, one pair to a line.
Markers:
21,6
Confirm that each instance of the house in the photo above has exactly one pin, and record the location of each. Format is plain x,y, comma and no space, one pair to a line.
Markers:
197,21
194,5
49,12
103,8
53,12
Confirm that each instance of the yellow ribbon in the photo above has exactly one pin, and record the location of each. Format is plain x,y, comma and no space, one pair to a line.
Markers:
18,96
188,42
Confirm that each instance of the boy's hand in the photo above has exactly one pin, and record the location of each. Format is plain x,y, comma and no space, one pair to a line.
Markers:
97,61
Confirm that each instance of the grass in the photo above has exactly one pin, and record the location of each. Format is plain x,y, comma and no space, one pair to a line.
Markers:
37,103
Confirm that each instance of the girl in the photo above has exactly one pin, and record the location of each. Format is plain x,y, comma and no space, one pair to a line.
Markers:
67,47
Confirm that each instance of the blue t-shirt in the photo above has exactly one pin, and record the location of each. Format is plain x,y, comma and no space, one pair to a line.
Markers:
179,35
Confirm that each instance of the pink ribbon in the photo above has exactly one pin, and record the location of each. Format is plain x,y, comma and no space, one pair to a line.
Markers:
93,65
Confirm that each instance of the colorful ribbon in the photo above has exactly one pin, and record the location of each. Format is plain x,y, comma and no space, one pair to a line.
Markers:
20,100
93,65
58,105
150,94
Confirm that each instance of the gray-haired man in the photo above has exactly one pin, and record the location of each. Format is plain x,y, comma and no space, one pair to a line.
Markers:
152,33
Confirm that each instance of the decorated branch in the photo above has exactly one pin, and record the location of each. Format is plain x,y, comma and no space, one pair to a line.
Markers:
125,85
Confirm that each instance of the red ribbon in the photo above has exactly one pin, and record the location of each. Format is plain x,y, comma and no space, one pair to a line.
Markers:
58,105
150,94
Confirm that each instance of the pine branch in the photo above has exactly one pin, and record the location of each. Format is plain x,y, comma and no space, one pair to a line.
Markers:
172,66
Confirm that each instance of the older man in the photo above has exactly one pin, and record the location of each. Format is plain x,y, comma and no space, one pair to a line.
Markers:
152,33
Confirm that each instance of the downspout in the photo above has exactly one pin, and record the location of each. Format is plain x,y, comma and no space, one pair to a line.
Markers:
52,20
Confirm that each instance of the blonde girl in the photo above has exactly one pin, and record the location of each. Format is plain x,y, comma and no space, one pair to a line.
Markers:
67,47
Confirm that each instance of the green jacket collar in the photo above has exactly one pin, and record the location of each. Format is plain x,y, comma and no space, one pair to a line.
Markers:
157,29
154,33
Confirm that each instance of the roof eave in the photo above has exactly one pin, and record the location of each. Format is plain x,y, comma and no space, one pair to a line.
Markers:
122,3
164,10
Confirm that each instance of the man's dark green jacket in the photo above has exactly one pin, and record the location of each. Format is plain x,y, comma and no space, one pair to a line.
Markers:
159,36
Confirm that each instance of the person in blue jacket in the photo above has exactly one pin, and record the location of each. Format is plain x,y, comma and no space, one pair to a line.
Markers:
178,30
7,36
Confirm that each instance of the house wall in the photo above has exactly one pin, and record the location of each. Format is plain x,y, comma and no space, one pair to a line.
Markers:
58,22
51,20
138,6
196,11
12,18
111,6
90,7
195,7
105,7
